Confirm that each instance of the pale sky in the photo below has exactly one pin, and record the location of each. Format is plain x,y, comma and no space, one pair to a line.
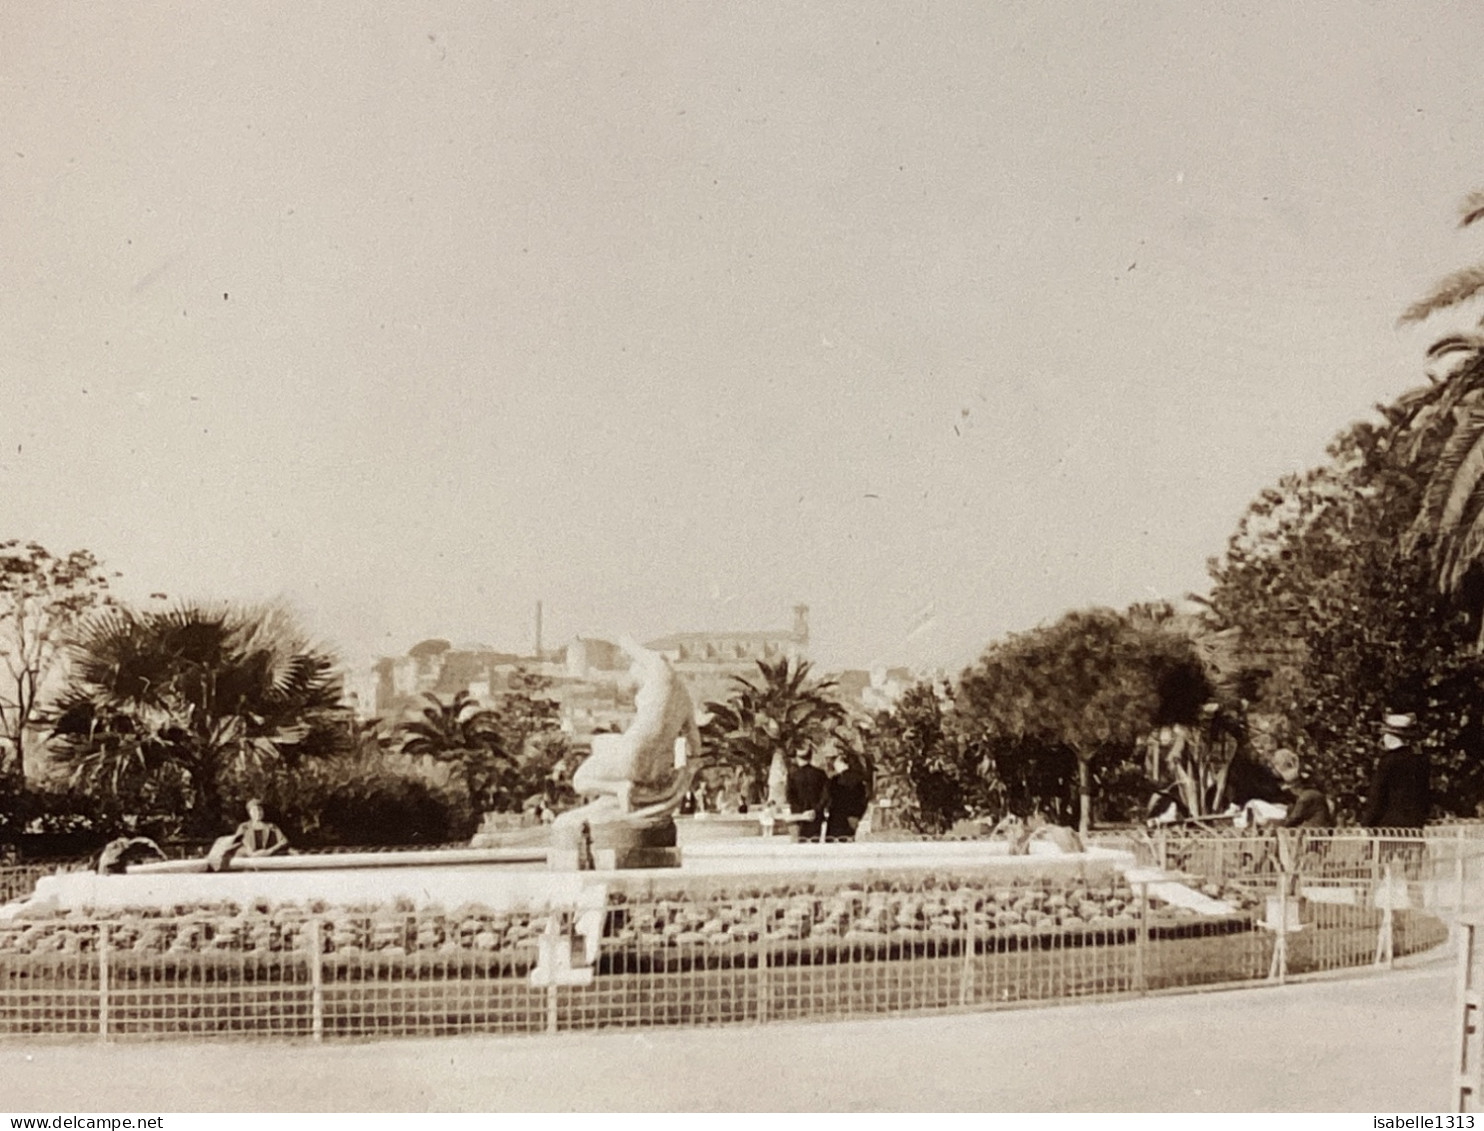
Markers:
942,318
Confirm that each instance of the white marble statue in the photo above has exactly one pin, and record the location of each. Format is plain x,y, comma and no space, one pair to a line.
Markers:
644,772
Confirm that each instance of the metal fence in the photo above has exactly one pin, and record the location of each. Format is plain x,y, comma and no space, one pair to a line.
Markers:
18,880
735,950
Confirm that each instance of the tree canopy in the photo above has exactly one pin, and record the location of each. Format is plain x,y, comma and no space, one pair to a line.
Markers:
1093,685
1341,621
462,735
183,707
42,597
775,713
1439,435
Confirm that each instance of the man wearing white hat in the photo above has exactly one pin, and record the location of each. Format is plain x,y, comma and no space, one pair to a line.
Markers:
1400,795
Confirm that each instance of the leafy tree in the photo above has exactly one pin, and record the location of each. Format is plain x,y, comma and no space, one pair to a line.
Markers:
524,711
527,720
923,764
1092,685
1028,775
1341,624
42,597
780,710
178,708
465,737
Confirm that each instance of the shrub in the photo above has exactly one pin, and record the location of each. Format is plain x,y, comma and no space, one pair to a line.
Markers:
366,800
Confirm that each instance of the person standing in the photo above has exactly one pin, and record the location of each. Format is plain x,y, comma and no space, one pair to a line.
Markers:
846,800
1400,794
808,790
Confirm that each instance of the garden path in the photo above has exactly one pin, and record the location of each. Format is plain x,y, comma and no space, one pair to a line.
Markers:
1366,1043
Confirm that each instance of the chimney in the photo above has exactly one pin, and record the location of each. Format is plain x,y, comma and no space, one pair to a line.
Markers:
801,623
538,630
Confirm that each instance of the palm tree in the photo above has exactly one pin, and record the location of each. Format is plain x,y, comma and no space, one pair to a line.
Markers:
1439,430
765,720
177,701
463,735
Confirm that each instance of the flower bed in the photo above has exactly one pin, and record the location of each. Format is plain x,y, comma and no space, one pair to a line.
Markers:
900,914
722,954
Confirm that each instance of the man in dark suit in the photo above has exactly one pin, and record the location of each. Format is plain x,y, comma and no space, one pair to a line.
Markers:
849,794
1400,794
808,788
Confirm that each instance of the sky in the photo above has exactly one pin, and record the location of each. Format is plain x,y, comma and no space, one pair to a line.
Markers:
942,318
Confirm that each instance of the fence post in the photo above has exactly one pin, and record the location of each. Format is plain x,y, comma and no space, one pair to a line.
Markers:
103,955
764,980
1141,942
314,940
1385,936
1278,971
966,979
1468,1002
1458,883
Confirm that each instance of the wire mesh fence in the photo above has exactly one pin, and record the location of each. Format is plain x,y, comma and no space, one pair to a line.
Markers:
18,880
727,950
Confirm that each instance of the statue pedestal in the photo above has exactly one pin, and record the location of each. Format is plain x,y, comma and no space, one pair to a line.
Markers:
613,859
609,840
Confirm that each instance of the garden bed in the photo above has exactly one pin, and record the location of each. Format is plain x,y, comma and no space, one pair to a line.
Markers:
745,954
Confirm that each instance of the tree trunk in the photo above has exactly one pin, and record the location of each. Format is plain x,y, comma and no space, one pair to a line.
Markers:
778,781
208,815
1084,789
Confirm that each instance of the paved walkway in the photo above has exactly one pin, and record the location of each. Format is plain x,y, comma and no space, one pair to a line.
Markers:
1368,1043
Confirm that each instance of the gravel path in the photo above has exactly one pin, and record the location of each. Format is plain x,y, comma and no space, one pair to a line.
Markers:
1369,1043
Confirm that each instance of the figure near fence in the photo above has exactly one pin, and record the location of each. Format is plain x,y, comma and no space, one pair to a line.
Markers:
1400,793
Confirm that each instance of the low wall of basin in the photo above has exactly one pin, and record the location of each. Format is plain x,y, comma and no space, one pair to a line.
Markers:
504,881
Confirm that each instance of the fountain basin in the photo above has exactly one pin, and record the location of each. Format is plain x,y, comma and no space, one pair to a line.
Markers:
507,879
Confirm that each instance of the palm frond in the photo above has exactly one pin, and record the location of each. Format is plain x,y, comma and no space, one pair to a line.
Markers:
1429,426
1471,208
1456,288
1455,343
198,690
1455,475
1464,548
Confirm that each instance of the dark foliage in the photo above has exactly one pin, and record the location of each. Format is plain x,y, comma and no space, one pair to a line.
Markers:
1345,623
168,712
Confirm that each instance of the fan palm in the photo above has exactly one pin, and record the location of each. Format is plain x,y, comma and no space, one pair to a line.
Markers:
190,696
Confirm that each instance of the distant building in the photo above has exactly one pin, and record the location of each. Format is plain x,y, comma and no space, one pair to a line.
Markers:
875,690
587,677
709,661
397,684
